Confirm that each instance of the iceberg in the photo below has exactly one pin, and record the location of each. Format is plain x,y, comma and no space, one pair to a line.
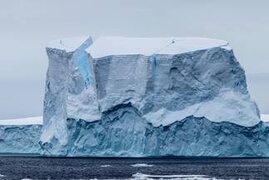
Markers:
141,97
20,136
136,97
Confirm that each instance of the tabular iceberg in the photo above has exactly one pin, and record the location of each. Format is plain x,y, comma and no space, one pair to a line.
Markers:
138,97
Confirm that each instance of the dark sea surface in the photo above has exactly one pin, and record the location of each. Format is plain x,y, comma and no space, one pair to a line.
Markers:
132,168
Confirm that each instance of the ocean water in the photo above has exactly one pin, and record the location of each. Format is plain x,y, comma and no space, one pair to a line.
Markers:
132,168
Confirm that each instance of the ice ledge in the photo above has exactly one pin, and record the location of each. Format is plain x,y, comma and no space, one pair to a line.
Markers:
229,106
107,46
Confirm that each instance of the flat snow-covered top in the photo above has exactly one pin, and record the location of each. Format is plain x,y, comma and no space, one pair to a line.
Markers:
106,46
23,121
68,44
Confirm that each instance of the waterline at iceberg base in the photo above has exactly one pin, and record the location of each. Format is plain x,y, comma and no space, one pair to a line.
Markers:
137,97
219,139
123,133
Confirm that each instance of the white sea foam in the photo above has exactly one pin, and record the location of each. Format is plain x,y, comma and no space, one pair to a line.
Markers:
141,176
141,165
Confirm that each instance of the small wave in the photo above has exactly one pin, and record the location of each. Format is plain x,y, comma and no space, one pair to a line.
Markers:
141,176
105,165
141,165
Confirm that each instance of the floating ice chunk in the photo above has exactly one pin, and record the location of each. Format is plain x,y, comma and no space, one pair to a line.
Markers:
141,176
141,165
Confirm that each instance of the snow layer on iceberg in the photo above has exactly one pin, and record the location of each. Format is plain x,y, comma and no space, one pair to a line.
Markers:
265,117
109,46
38,120
68,44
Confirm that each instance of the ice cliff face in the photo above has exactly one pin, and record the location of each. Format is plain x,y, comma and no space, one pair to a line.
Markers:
20,139
69,87
147,97
20,136
171,81
123,133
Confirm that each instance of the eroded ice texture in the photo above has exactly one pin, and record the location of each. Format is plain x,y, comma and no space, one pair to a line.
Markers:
22,139
70,90
148,96
122,132
165,88
20,135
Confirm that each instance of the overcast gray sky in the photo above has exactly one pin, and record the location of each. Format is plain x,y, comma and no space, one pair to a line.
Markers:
27,25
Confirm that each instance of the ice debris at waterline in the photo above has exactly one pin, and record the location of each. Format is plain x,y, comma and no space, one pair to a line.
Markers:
138,97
